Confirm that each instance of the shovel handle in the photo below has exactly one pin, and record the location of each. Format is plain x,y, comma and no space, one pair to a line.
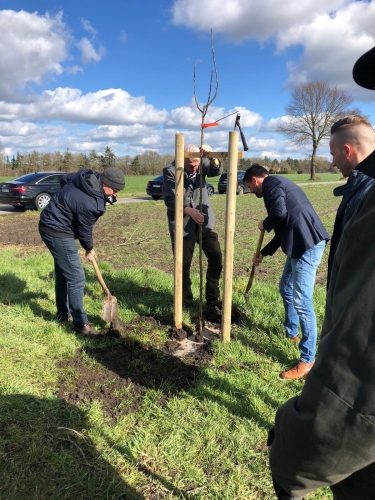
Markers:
100,277
257,252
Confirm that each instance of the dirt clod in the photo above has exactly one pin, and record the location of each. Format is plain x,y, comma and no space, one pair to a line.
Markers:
199,338
177,334
117,329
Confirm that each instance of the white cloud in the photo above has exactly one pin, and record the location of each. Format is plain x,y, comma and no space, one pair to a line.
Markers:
333,35
250,19
74,70
89,53
87,27
110,106
123,36
347,35
31,47
191,117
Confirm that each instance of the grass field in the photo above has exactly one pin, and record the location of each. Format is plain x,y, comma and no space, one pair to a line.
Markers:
200,438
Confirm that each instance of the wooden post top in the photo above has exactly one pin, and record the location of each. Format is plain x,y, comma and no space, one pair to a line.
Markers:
214,154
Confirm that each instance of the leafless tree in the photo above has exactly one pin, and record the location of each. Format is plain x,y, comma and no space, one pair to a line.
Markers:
214,80
313,109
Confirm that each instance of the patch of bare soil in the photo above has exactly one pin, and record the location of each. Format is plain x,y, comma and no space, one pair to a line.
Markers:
126,369
19,230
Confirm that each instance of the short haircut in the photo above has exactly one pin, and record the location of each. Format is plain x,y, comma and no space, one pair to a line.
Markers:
349,122
191,148
255,170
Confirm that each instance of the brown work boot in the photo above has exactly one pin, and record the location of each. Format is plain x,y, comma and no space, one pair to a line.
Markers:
87,330
297,372
293,339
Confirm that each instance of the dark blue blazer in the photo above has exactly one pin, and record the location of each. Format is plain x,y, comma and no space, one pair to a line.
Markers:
290,214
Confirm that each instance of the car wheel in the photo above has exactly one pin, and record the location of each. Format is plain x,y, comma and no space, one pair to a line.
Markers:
156,197
240,190
210,191
42,200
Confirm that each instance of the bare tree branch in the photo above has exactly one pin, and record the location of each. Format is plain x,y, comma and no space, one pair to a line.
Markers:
313,109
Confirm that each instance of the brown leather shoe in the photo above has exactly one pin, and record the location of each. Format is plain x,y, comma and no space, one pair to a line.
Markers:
297,372
293,339
87,330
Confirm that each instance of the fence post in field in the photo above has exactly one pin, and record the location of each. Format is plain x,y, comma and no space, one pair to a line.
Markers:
230,219
179,230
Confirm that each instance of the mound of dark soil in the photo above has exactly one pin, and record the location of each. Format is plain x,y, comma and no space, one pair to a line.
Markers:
125,370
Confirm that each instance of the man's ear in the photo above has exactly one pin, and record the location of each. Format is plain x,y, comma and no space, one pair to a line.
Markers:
348,148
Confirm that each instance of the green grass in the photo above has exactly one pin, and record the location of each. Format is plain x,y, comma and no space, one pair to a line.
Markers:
207,442
325,177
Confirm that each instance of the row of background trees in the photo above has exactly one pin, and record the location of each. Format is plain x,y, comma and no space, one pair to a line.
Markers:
148,163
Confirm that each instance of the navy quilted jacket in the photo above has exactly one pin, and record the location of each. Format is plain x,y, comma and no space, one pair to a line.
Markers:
76,207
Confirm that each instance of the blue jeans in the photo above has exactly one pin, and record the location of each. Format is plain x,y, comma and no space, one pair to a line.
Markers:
69,278
296,289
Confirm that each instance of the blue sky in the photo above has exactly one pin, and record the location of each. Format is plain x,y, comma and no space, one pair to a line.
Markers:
83,75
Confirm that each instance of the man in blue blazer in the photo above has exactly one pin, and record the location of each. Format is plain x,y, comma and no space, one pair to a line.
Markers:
302,237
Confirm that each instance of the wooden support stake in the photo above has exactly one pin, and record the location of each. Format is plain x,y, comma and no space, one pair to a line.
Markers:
230,219
179,229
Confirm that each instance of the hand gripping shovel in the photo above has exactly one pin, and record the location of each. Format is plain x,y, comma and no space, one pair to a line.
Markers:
251,278
110,308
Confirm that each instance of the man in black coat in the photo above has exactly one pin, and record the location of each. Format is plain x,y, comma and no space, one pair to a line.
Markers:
302,237
71,214
352,147
326,435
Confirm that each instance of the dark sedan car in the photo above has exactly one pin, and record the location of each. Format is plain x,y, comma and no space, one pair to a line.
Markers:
154,188
31,190
241,186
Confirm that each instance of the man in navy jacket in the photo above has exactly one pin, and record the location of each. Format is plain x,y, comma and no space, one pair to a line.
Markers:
71,214
302,237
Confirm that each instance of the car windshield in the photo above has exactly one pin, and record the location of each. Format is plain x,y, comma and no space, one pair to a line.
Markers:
159,178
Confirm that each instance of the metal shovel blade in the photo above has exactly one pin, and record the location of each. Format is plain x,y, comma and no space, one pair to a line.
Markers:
110,308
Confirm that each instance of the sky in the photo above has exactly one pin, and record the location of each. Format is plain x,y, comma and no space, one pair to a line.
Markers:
83,75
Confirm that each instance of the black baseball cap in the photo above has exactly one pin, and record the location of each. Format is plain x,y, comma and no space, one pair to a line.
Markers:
364,70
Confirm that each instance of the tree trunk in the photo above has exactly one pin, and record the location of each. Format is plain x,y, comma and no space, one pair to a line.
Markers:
312,165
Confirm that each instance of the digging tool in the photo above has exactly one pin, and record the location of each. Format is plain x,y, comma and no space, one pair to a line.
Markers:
110,308
251,278
237,124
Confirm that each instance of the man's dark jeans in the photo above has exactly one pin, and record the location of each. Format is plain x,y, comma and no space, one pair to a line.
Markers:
212,250
69,278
